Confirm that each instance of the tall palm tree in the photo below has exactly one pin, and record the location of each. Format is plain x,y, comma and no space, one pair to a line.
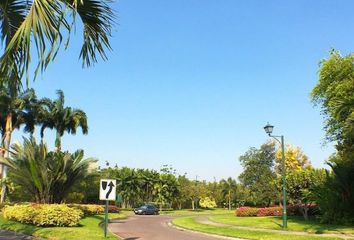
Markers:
62,119
42,25
229,187
16,109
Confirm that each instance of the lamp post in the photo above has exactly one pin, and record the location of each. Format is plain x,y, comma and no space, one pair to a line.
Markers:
269,129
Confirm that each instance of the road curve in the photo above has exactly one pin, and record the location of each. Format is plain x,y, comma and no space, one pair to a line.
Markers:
154,227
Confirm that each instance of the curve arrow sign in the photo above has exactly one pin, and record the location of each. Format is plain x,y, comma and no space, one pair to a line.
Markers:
111,186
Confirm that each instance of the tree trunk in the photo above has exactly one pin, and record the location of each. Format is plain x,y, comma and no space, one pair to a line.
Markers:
58,142
6,144
229,200
305,210
193,204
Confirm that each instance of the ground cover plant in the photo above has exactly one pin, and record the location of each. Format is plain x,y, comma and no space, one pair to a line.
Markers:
295,223
89,229
191,224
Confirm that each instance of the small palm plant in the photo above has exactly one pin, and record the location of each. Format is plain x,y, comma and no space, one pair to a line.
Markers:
47,176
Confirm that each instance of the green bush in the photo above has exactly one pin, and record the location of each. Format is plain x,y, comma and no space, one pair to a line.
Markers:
44,214
88,209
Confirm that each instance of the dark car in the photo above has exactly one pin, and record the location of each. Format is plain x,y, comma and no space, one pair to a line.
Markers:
147,209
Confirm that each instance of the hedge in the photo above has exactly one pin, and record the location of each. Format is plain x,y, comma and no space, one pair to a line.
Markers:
293,210
88,209
44,215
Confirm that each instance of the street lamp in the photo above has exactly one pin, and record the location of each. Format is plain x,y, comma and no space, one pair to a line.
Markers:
269,129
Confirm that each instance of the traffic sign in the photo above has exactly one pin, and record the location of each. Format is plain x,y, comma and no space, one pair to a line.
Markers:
108,189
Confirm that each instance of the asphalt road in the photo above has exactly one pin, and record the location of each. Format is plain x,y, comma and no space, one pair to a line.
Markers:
153,227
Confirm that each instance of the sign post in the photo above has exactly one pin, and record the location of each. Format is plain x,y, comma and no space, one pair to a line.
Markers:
107,193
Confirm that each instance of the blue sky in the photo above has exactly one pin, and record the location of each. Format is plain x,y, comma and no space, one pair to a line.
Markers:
191,83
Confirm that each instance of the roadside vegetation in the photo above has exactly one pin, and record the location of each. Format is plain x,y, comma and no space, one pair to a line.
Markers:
191,224
294,224
32,173
89,229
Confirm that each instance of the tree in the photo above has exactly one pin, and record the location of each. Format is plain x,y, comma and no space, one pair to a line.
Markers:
16,109
62,119
258,174
47,176
229,188
334,94
301,186
24,23
295,159
184,191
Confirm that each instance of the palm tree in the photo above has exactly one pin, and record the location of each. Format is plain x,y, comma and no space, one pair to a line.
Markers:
229,187
42,25
16,109
62,119
47,176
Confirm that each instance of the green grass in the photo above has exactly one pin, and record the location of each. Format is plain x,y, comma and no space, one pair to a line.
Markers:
190,212
294,224
89,229
190,223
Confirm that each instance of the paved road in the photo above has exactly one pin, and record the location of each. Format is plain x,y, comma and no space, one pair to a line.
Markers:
8,235
153,228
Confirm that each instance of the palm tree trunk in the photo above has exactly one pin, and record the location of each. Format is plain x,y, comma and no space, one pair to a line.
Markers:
7,141
58,142
229,200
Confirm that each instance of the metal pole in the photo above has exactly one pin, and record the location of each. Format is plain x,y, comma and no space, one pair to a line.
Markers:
196,184
285,225
106,220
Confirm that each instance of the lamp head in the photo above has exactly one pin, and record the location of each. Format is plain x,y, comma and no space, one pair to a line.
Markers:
268,129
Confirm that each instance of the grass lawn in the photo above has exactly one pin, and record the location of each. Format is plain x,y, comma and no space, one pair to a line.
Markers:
89,229
189,212
294,224
190,223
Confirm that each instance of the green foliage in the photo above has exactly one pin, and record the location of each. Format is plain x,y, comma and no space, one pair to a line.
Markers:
334,94
335,197
137,186
301,187
206,202
295,223
44,215
47,176
258,174
63,119
229,188
41,25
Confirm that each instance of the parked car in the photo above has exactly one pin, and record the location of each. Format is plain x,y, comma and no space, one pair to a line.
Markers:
147,209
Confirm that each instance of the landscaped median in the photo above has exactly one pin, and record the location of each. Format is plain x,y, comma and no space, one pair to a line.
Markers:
192,223
28,219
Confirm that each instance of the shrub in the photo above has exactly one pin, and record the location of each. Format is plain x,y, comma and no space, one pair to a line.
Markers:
89,209
292,210
246,212
207,203
270,211
44,214
113,209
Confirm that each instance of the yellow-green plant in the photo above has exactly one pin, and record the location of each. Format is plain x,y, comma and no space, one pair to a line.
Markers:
44,214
